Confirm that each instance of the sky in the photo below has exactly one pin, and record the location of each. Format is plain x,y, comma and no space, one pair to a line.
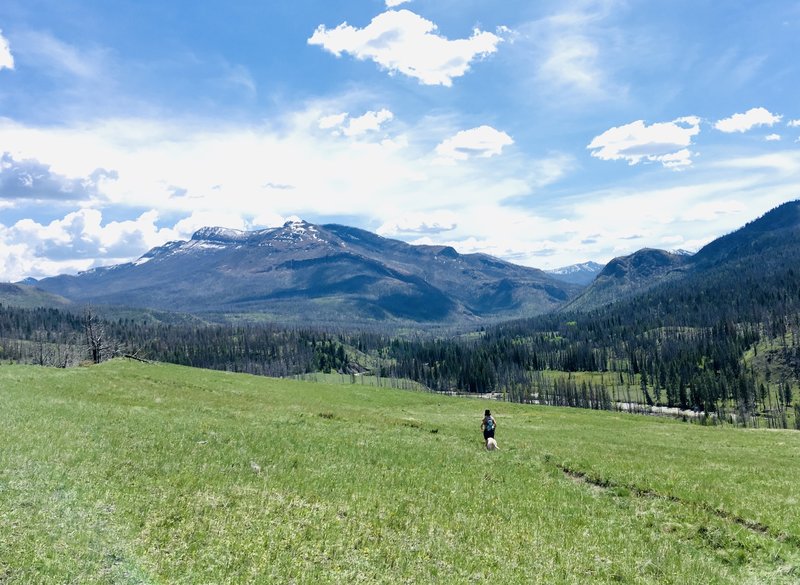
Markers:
543,132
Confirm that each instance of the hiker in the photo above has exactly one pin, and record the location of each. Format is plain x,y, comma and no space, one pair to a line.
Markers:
488,425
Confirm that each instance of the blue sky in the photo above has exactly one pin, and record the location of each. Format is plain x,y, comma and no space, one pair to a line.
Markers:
546,133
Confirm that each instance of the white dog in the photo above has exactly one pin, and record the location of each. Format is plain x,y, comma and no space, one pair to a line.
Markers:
491,444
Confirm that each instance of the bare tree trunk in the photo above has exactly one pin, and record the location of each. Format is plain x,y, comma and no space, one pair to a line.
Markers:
95,335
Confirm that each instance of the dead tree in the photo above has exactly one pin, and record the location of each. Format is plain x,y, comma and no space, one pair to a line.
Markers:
95,333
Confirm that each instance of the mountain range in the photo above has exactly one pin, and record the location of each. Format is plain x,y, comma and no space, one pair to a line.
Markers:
318,273
323,274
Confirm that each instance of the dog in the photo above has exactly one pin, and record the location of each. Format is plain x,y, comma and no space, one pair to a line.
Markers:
491,444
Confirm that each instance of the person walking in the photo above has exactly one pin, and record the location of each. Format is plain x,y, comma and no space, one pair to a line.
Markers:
488,425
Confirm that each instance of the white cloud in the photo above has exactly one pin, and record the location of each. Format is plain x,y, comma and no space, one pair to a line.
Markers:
332,121
393,3
404,42
772,137
664,142
483,141
676,160
268,220
503,232
793,123
77,242
748,120
434,222
238,176
29,179
247,169
368,122
6,58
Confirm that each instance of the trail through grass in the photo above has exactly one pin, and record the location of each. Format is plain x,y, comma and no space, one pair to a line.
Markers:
136,473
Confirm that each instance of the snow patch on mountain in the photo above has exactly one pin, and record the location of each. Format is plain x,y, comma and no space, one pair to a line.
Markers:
582,273
220,234
581,267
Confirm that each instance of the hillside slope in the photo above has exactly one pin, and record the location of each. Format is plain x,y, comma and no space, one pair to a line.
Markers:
628,275
154,473
29,296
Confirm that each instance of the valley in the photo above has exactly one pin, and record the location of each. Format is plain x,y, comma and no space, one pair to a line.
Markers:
668,332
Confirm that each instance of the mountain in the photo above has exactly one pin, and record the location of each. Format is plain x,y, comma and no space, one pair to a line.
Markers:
318,273
628,275
766,250
581,274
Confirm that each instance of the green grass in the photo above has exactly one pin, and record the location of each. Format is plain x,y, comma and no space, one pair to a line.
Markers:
136,473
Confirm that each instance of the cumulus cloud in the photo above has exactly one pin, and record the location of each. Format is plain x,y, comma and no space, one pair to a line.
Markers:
664,142
393,3
483,141
401,41
368,122
6,58
78,241
31,179
793,123
748,120
420,223
772,137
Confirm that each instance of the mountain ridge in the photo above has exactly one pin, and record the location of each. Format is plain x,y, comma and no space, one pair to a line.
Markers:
331,273
334,273
747,250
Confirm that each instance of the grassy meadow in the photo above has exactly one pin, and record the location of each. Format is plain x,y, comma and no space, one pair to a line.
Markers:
136,473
